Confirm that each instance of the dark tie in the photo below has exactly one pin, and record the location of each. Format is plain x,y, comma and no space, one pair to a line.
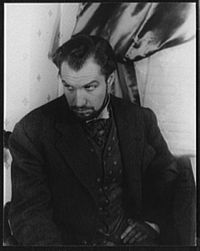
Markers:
98,130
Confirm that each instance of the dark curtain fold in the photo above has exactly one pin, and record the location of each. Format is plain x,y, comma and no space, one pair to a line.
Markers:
136,30
127,82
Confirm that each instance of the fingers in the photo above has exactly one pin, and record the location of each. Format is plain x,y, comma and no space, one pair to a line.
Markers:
142,238
128,230
135,237
134,233
130,235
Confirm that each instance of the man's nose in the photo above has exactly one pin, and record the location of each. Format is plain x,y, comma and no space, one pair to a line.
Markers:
79,98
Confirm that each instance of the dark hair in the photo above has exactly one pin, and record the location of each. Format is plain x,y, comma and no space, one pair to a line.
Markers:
79,48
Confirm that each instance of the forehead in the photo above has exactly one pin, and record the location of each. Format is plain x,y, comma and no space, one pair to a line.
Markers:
89,72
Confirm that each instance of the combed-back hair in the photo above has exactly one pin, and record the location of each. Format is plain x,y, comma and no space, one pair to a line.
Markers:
81,47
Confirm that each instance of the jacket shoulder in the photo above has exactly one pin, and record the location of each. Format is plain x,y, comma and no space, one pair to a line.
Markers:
40,118
45,111
132,109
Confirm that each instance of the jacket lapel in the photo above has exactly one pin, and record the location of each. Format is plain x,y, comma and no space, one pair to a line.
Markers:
130,139
76,149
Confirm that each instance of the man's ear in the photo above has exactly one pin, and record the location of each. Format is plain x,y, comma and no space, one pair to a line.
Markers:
110,80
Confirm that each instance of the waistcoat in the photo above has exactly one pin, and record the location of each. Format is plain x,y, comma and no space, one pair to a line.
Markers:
112,218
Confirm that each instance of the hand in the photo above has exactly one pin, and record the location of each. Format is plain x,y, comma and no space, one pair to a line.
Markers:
137,232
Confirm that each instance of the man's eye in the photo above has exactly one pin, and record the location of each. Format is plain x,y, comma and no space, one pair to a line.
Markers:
69,88
90,87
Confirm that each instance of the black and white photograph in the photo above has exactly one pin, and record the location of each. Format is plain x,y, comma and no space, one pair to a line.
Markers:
99,130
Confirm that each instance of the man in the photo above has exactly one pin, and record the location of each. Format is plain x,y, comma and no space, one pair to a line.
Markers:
81,162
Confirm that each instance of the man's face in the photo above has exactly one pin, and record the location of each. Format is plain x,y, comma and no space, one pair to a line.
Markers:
85,89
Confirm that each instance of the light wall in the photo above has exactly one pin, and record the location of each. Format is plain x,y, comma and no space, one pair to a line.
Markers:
167,85
30,76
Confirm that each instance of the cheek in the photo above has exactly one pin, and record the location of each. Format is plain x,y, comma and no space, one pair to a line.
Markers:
98,98
69,97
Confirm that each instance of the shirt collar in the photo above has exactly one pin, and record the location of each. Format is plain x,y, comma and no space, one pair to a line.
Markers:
105,114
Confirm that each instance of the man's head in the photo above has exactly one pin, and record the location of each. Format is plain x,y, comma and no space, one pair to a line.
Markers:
86,67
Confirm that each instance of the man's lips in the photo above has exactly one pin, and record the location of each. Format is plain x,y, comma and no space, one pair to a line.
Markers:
82,111
85,111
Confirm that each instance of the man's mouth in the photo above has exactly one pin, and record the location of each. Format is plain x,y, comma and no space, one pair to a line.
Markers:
84,112
81,111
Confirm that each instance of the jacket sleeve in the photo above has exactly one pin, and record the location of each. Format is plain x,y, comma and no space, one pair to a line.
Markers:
31,214
163,167
160,175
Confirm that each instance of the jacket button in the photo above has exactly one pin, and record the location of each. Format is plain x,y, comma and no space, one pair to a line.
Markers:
100,190
98,180
105,188
101,230
107,202
109,148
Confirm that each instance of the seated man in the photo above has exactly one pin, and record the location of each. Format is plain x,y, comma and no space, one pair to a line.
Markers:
79,162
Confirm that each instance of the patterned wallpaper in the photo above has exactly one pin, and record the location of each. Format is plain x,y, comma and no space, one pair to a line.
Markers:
30,76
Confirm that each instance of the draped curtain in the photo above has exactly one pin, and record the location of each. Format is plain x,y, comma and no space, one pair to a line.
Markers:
155,49
135,31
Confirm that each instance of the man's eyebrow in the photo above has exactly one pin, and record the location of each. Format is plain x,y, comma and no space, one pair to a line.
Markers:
85,85
63,81
92,82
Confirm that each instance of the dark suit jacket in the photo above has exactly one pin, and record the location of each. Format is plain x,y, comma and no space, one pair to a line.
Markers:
54,190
